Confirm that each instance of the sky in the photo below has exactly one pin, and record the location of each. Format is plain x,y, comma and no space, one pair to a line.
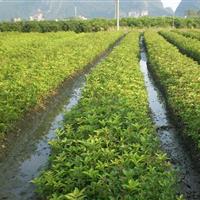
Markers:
171,3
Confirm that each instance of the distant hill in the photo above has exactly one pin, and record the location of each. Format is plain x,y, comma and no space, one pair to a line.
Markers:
89,8
186,5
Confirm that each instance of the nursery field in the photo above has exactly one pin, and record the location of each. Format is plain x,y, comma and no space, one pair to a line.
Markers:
33,65
179,77
109,146
186,45
195,34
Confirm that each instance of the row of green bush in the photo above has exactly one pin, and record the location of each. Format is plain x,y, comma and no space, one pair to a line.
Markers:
188,46
108,148
165,22
33,65
195,34
98,24
54,26
178,76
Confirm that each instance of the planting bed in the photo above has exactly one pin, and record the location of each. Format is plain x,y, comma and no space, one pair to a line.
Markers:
27,150
188,46
173,141
108,148
178,76
189,33
33,66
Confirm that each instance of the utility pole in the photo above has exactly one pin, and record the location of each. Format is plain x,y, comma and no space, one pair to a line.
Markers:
117,13
115,9
173,25
75,12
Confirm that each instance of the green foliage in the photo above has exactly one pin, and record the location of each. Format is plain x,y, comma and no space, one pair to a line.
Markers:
94,25
108,148
33,65
76,195
179,77
195,34
189,46
77,26
158,22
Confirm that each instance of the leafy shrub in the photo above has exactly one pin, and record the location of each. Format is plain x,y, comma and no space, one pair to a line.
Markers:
179,77
189,46
33,65
189,33
108,148
98,24
54,26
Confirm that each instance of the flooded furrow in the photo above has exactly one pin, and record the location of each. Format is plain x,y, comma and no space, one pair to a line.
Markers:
28,153
170,141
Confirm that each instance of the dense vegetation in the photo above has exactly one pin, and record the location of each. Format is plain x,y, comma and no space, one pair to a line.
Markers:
54,26
165,22
98,24
33,65
108,148
189,46
195,34
178,76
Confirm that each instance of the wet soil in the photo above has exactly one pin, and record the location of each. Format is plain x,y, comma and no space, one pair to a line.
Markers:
171,142
28,151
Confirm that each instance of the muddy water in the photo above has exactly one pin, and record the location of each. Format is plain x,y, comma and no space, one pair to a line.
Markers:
170,141
28,154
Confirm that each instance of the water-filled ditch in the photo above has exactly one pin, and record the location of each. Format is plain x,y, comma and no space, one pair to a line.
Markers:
170,140
28,153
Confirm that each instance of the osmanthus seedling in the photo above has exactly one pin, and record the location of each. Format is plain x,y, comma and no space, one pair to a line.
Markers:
188,46
195,34
179,77
108,148
33,65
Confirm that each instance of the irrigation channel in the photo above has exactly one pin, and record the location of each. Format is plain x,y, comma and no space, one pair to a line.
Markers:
170,141
28,153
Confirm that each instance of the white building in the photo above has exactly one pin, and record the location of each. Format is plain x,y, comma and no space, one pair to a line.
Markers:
138,13
17,19
144,13
39,16
82,17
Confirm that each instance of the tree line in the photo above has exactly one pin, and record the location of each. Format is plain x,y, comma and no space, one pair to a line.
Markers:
95,25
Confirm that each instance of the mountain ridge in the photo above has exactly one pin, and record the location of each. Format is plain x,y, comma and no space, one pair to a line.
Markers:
186,5
89,8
